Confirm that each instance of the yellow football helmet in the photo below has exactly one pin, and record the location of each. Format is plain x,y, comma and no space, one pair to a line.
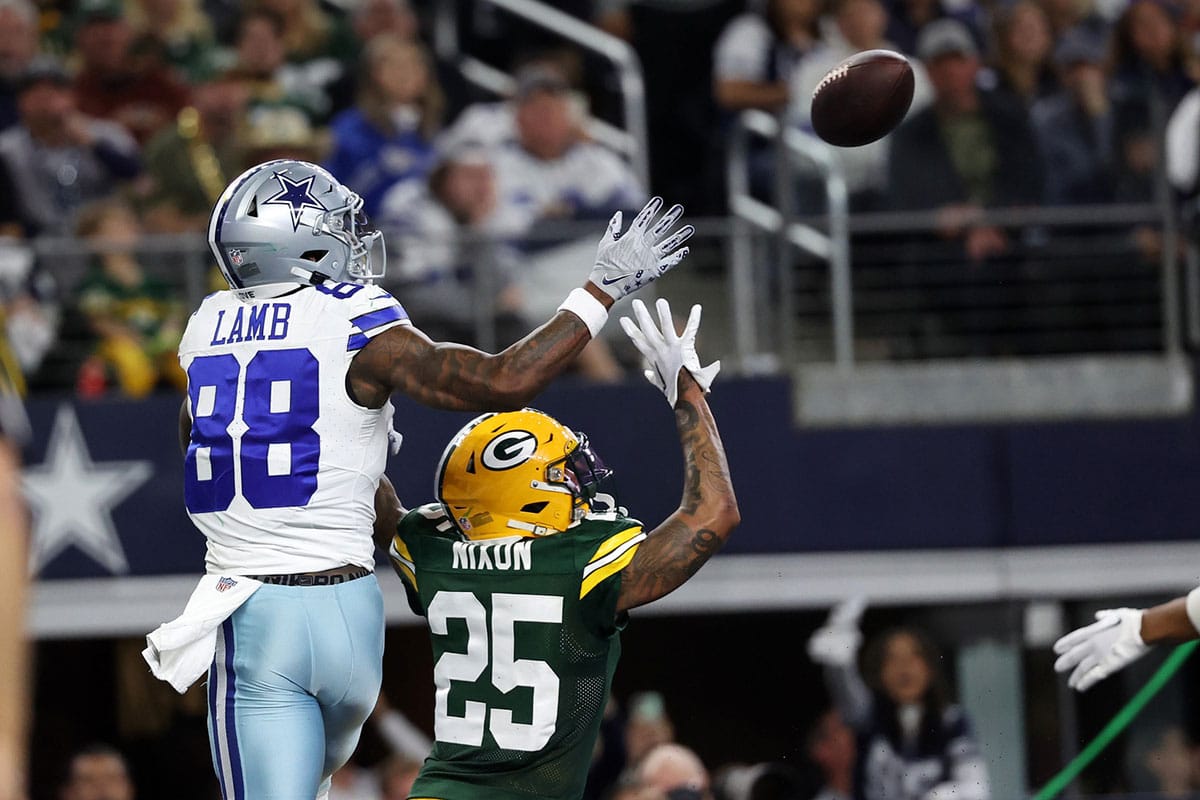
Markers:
518,473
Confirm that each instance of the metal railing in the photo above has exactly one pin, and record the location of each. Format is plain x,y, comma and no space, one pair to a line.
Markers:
631,141
885,271
831,245
929,334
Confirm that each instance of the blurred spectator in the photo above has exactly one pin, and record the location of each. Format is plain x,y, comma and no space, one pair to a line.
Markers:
387,138
969,150
858,25
549,171
1023,45
1149,79
176,34
755,56
647,725
914,744
261,66
1074,127
396,776
676,771
631,789
831,747
189,163
309,32
1076,15
549,174
98,772
111,84
29,305
675,43
372,18
135,318
1169,761
319,48
754,63
59,158
18,46
763,781
444,229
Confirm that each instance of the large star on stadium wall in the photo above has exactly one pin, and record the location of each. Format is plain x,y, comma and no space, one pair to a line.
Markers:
72,498
296,195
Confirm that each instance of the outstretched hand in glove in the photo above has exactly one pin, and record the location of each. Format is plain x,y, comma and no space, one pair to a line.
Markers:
627,261
665,351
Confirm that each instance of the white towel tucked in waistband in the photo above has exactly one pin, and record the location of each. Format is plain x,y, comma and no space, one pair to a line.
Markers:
182,650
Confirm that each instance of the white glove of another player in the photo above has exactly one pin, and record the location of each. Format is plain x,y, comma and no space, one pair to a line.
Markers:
625,262
1100,649
836,643
665,351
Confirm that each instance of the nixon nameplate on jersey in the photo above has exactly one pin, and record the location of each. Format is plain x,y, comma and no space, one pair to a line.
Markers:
500,556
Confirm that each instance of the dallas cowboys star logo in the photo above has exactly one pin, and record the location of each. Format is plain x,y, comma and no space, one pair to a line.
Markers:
296,195
72,498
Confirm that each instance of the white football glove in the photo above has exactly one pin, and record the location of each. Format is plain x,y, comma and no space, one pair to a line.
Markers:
625,262
1100,649
836,643
665,351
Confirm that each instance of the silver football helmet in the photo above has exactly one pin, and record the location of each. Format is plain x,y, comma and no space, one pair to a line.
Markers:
288,222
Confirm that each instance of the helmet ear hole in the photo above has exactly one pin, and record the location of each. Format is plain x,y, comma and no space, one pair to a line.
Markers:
315,256
535,508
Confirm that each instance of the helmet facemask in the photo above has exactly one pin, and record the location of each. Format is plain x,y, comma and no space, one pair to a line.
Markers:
582,472
348,224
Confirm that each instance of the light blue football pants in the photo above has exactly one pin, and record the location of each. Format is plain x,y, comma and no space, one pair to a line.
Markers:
296,673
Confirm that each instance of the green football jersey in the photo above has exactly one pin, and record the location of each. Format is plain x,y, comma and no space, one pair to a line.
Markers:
526,638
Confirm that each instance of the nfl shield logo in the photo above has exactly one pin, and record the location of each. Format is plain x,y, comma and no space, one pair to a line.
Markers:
225,583
235,256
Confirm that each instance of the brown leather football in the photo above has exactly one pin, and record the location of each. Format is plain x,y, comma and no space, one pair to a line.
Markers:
863,98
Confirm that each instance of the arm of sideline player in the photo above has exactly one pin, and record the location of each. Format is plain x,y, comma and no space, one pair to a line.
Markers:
1168,622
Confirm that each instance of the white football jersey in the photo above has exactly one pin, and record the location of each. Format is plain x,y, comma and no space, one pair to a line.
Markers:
281,471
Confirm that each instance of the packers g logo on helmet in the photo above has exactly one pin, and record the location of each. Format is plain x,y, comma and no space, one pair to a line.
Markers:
519,473
509,449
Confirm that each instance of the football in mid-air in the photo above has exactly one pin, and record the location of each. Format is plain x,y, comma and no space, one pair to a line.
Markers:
863,98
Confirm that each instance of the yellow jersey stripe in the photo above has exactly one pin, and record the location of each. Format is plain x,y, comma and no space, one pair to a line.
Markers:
598,572
402,561
613,542
401,549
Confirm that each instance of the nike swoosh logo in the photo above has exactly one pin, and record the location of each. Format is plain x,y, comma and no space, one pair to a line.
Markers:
607,282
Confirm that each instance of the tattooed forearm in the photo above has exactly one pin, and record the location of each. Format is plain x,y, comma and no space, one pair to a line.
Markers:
667,559
687,419
677,549
461,378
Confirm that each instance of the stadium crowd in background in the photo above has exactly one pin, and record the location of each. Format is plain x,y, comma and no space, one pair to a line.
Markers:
157,104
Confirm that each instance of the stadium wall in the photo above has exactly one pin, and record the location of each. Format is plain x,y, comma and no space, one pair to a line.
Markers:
904,514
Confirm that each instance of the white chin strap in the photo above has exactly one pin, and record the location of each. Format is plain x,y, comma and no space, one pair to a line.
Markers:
529,527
